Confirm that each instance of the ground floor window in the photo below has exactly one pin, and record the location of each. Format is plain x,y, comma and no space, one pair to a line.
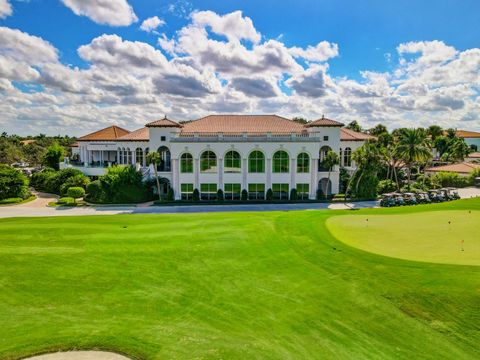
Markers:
232,191
256,191
280,191
208,191
303,191
186,191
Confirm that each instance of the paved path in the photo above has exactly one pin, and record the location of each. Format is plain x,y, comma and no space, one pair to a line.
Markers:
79,355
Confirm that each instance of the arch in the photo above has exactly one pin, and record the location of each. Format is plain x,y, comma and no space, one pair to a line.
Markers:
139,155
256,162
165,163
186,163
208,162
347,157
303,163
322,186
321,157
232,162
280,163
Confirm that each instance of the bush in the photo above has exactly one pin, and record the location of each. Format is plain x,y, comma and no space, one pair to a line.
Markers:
66,201
269,195
367,187
449,179
14,200
196,195
53,156
95,192
386,186
293,194
13,183
51,181
320,195
76,192
79,180
244,195
220,195
170,195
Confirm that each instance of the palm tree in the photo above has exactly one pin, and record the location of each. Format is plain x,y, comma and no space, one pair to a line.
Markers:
331,159
413,148
434,131
154,159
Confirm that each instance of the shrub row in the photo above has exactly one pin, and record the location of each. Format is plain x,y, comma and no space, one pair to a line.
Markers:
13,183
58,182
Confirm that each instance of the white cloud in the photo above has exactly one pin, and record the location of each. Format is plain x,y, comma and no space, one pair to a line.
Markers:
5,9
323,51
167,44
151,24
109,12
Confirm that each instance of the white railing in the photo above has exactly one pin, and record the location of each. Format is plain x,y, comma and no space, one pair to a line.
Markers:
246,137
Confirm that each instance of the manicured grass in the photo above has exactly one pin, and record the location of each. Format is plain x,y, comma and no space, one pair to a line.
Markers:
16,201
261,285
450,237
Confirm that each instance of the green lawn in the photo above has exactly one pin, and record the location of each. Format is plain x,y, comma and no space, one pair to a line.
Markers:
271,285
449,237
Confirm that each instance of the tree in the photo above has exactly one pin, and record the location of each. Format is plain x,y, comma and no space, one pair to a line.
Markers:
434,131
13,183
378,130
367,159
355,126
413,148
331,159
300,120
53,156
153,158
75,193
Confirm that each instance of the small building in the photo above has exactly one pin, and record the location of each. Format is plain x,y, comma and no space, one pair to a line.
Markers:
472,138
462,169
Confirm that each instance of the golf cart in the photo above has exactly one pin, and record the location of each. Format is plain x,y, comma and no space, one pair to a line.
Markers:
452,193
410,199
445,194
399,199
423,198
436,196
388,200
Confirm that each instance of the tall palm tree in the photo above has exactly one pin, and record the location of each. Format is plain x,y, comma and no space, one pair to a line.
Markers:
154,159
331,159
413,148
434,131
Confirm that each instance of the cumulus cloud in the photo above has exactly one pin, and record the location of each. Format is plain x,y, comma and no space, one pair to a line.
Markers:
5,9
257,87
151,24
310,83
323,51
111,12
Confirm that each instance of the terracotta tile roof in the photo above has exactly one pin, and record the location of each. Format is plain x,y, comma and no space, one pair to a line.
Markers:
75,144
474,155
467,134
108,134
324,122
461,168
163,123
136,135
350,135
27,142
243,124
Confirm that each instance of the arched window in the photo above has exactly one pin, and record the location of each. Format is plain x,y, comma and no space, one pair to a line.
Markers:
233,162
124,160
208,162
321,157
303,163
280,162
347,157
186,163
325,186
256,162
129,156
165,161
139,155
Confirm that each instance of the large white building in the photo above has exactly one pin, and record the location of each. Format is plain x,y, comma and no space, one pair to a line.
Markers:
228,152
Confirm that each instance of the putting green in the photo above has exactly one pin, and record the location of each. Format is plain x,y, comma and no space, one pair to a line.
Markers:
436,236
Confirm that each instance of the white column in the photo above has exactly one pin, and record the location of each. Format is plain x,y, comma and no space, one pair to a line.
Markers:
175,179
244,174
196,170
268,169
293,171
118,157
220,173
314,181
144,152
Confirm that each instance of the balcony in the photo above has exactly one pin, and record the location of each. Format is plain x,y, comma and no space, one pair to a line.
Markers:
246,137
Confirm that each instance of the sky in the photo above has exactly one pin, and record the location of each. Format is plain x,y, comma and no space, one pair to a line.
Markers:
75,66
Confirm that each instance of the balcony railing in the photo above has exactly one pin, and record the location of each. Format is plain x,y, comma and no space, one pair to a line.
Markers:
247,137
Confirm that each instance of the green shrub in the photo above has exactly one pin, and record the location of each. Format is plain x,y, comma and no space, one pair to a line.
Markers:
76,192
51,181
386,186
53,156
269,195
170,195
220,196
95,192
196,195
450,179
13,183
293,194
244,195
78,180
66,201
14,200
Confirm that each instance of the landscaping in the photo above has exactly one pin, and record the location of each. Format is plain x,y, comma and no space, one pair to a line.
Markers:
270,285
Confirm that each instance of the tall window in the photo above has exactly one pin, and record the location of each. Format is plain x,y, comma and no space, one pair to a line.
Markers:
208,191
347,157
302,191
139,156
232,162
232,191
165,160
280,162
118,159
208,162
186,163
280,191
256,191
256,162
124,160
186,191
303,163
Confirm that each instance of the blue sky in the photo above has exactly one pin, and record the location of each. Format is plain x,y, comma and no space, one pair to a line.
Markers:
367,34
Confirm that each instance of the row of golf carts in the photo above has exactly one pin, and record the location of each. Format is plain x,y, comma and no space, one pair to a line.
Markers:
425,197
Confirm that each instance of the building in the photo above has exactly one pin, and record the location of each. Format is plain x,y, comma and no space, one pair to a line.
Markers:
471,138
228,152
462,169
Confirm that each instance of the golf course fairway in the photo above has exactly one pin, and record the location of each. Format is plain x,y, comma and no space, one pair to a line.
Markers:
449,237
258,285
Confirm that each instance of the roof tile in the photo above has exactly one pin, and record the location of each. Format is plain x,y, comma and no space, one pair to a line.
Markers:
108,134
